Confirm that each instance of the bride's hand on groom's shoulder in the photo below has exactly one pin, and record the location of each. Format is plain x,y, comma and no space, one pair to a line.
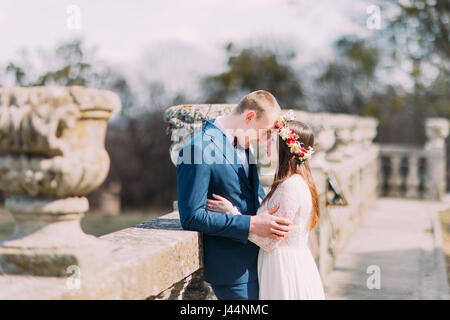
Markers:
220,205
265,224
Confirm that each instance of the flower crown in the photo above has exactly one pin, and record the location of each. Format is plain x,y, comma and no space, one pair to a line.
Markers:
296,147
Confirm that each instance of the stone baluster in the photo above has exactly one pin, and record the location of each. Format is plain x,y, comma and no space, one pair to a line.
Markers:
52,153
395,179
436,130
412,180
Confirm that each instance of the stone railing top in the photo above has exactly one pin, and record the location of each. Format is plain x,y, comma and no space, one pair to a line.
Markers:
411,152
400,148
331,130
179,115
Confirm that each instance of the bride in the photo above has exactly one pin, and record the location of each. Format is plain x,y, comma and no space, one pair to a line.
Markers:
286,267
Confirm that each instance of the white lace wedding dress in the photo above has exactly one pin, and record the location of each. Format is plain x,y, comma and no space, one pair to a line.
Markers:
286,267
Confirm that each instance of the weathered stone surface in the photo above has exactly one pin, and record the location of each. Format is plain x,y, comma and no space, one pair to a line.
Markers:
39,119
52,139
148,260
190,288
76,173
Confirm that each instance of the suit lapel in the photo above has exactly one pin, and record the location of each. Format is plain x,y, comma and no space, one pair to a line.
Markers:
228,151
255,181
253,168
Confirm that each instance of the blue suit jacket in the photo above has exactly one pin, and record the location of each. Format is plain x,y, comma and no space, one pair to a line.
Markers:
208,164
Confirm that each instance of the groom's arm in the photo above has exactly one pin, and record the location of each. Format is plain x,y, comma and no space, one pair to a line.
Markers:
193,183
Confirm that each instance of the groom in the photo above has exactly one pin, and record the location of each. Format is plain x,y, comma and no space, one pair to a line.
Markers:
217,161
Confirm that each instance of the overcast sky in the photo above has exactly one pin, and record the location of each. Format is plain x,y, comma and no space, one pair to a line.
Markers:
179,37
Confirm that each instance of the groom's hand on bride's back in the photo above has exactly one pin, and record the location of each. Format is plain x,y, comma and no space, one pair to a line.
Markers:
265,224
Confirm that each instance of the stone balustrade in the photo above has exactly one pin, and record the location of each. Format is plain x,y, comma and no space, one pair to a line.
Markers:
416,171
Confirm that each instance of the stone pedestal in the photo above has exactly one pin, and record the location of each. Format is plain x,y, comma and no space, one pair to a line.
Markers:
51,154
436,130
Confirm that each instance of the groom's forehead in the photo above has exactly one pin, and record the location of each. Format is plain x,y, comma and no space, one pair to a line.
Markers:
272,118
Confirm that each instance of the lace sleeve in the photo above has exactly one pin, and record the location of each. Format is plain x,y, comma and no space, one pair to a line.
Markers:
289,196
234,212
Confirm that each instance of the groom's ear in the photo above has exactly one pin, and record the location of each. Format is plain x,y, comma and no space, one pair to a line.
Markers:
250,115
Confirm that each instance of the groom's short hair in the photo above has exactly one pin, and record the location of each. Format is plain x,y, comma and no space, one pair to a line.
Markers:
259,101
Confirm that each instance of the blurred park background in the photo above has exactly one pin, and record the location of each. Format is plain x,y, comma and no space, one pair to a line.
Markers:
386,59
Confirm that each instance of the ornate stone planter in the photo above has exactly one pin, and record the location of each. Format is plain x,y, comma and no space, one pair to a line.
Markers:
52,153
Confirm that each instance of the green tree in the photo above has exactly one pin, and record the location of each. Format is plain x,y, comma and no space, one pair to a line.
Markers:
71,64
420,31
71,68
253,69
347,81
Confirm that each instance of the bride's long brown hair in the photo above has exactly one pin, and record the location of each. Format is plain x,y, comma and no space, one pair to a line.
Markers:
288,165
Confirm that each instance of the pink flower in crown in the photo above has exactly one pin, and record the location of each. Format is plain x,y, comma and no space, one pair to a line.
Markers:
279,124
290,141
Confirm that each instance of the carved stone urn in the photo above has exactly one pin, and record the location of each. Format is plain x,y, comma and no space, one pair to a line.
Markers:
52,153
